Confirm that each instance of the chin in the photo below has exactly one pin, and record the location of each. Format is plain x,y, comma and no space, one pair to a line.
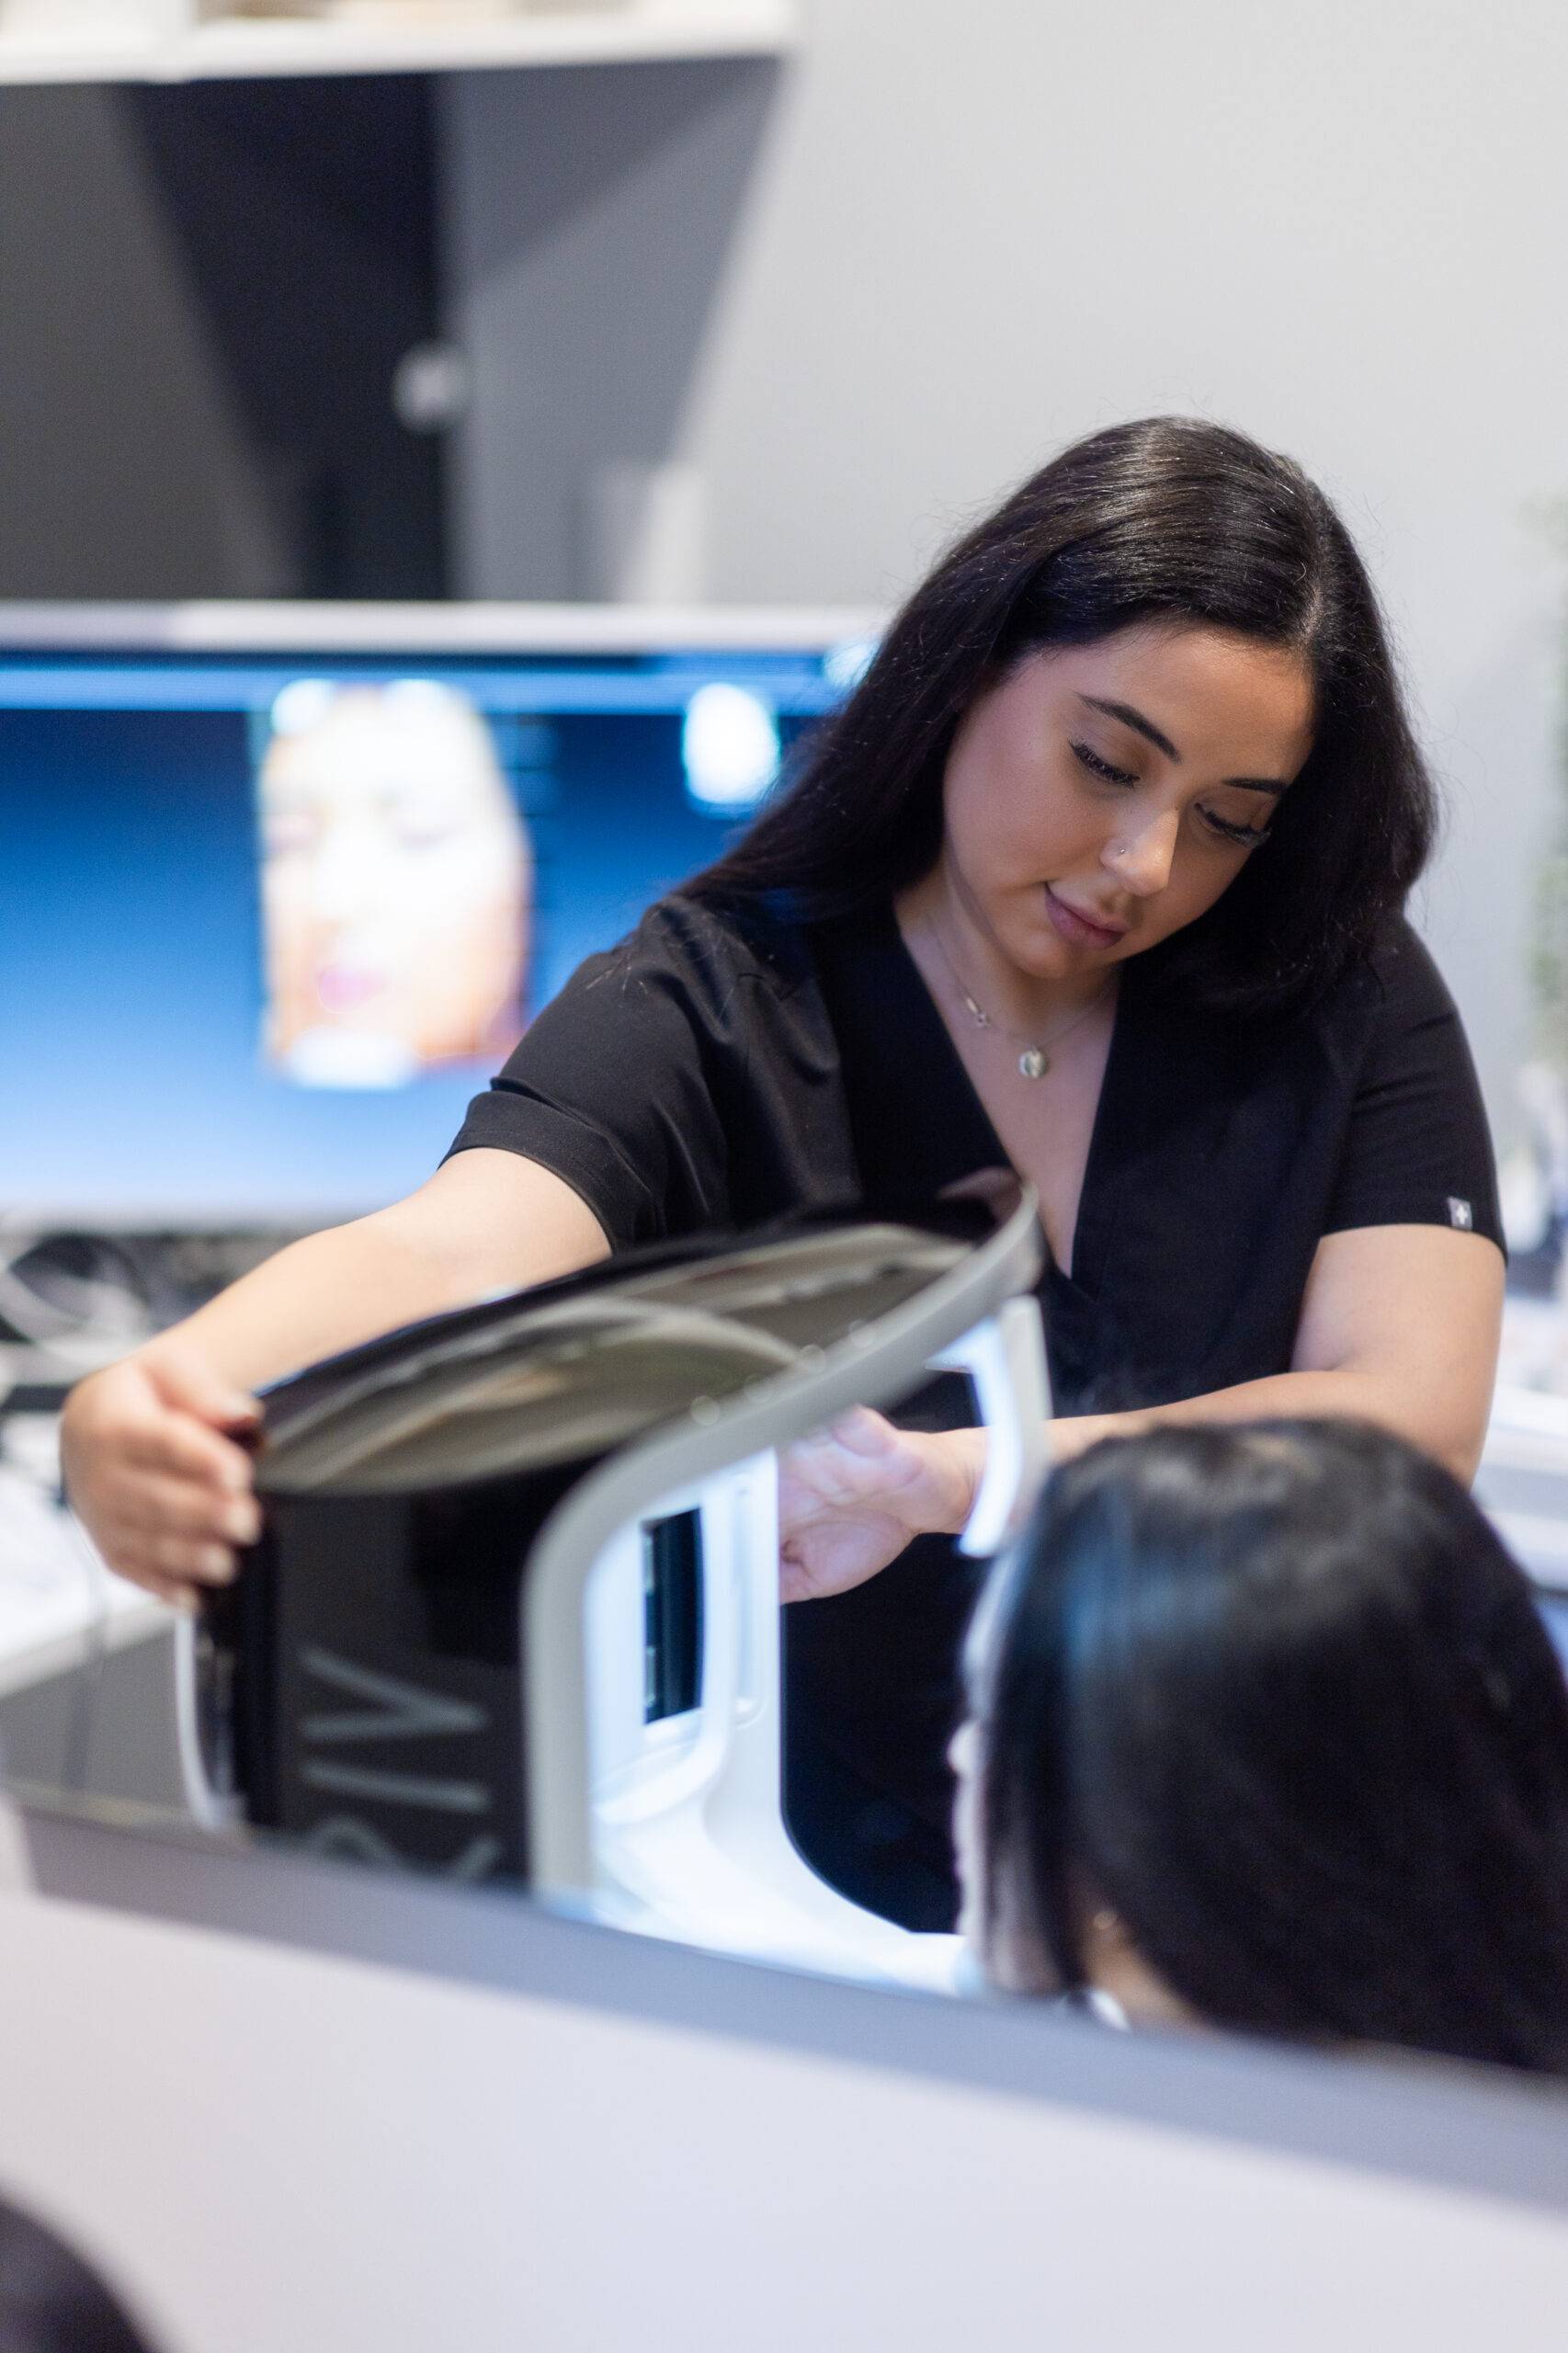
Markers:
1042,953
1018,922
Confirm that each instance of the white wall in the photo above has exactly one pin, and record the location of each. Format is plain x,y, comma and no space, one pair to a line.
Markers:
126,466
949,237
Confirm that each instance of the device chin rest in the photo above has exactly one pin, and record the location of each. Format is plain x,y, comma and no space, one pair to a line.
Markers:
514,1610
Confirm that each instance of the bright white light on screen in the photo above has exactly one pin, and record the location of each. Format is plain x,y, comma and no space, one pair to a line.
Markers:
302,706
417,698
730,746
845,665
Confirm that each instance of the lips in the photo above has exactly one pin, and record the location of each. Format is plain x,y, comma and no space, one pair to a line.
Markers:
1082,930
341,988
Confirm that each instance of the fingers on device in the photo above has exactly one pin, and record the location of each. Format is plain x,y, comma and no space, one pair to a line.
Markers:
514,1613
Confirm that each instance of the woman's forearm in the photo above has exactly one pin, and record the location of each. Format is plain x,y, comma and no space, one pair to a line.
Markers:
1400,1326
1451,1438
1363,1395
318,1296
150,1446
486,1222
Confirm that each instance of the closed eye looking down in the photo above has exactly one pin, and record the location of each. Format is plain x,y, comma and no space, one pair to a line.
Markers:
1249,836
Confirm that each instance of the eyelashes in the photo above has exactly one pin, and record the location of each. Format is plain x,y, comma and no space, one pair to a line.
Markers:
1096,766
1245,836
1248,835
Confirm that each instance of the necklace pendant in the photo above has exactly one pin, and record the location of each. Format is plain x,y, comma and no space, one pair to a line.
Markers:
1032,1064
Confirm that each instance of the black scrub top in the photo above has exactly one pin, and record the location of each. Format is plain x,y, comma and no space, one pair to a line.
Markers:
725,1066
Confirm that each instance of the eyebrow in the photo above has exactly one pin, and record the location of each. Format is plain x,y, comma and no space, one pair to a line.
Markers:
1133,718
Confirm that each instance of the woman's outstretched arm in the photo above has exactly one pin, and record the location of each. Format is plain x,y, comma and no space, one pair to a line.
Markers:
1400,1326
153,1465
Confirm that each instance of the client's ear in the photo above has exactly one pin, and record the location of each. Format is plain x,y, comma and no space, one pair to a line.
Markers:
1114,1966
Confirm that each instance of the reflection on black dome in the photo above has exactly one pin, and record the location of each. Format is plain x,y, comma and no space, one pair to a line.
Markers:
575,1369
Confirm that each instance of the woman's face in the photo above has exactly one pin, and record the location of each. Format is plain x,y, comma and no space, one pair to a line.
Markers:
1103,796
395,888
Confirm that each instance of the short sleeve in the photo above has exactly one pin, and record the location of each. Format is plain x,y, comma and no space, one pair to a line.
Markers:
611,1086
1417,1151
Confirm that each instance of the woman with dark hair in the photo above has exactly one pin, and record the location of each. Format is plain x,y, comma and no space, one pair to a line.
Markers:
1098,873
1270,1736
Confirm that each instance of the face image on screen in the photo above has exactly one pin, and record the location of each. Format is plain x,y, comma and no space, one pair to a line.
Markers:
396,885
268,923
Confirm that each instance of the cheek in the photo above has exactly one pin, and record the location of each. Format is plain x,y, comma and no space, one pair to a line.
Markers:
1006,830
286,905
1201,879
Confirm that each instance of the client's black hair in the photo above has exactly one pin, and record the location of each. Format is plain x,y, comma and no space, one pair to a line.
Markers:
50,2300
1279,1696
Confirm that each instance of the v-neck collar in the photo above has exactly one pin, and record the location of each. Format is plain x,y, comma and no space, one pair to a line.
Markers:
918,1062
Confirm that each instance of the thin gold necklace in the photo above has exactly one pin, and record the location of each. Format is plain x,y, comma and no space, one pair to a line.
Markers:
1034,1058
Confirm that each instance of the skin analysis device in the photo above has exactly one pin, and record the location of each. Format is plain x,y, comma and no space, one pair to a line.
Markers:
515,1614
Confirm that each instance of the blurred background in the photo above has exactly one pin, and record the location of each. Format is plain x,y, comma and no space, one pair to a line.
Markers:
738,307
770,327
449,451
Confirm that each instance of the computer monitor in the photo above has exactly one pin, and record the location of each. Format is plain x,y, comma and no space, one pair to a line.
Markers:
280,886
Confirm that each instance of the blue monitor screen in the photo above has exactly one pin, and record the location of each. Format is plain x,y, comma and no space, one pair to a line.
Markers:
266,923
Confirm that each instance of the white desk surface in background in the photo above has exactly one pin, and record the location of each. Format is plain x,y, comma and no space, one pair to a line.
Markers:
56,1596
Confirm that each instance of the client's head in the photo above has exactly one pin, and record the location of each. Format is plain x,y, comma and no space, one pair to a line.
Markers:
1268,1736
51,2300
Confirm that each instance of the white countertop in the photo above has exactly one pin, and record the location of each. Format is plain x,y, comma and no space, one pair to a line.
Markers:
57,1600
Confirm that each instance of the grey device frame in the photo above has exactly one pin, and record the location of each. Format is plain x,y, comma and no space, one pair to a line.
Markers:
876,1365
1443,2127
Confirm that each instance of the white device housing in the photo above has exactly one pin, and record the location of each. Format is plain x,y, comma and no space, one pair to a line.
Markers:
687,1835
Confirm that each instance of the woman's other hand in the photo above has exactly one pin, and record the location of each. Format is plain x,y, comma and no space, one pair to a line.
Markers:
153,1473
851,1498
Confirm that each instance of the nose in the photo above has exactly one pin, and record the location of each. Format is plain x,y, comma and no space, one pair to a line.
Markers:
1141,860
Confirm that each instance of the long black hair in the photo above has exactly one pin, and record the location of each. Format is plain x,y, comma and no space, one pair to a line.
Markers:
1173,521
49,2299
1279,1695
